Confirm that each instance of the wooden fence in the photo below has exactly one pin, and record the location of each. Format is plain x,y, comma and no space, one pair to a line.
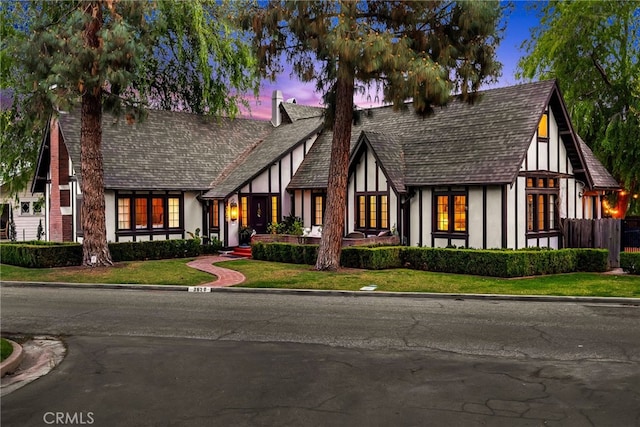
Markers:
594,233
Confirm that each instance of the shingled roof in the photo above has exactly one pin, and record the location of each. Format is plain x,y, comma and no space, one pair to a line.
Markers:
168,150
600,176
460,144
281,141
294,112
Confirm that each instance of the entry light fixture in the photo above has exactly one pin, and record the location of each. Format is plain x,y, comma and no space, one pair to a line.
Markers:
233,211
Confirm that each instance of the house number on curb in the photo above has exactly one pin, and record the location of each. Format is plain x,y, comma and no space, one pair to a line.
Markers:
199,289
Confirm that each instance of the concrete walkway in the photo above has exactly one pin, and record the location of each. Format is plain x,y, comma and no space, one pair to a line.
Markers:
225,276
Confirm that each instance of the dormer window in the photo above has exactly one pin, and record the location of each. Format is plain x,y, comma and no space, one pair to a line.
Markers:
543,128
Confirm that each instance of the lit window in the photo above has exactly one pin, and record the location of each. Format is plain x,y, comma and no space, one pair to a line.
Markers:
214,217
157,212
384,212
362,221
141,212
373,210
318,209
460,213
244,211
443,213
543,126
451,212
541,205
274,209
174,212
124,214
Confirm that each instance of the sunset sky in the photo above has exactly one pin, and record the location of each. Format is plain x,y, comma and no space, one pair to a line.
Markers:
518,24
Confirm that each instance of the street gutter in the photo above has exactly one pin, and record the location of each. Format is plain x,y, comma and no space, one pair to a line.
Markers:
326,292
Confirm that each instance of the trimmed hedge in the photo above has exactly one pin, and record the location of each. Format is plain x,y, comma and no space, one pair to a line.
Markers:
285,252
496,263
630,262
41,255
53,254
154,249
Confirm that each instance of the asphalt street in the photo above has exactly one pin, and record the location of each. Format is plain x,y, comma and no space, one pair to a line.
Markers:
230,358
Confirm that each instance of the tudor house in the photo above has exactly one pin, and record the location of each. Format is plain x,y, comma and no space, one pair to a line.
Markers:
499,173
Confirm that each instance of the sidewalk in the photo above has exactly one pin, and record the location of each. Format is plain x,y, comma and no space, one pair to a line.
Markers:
225,276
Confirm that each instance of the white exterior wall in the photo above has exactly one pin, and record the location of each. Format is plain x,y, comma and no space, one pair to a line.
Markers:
494,217
475,217
26,224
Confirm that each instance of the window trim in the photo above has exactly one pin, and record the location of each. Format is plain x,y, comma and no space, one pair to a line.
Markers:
451,213
536,189
378,195
149,229
323,208
545,138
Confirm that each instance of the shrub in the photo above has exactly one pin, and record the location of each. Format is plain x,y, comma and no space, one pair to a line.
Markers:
42,254
371,258
39,254
154,249
630,262
285,252
596,260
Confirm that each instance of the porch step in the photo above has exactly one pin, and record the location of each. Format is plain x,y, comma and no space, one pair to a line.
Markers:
241,252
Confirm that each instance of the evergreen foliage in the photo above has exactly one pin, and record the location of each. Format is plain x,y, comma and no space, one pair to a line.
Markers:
118,56
421,51
593,49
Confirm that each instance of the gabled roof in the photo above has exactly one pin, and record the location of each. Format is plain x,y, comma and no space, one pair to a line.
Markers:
460,144
389,153
600,176
293,112
281,141
166,151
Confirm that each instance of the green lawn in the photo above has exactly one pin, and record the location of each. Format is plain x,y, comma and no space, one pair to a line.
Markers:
163,272
5,349
262,274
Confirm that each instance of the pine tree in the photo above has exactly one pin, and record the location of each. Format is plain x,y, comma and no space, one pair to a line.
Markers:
422,51
118,56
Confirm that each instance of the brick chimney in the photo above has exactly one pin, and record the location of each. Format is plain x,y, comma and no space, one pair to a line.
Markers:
276,100
55,213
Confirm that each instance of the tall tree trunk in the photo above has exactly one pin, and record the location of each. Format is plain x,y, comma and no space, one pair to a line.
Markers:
94,244
333,230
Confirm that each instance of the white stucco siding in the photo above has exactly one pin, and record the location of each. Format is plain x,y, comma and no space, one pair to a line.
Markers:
360,175
475,217
306,212
260,184
274,172
394,222
371,172
192,213
298,155
110,215
554,142
512,230
420,218
351,197
494,217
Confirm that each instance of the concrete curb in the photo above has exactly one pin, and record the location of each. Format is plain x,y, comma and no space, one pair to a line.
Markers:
314,292
11,363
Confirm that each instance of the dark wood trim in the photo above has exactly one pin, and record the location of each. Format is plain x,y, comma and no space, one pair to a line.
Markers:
504,215
420,219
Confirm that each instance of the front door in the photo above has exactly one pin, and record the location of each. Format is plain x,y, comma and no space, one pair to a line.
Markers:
259,214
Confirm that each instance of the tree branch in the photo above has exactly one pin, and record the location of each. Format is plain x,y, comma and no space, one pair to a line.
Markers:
603,74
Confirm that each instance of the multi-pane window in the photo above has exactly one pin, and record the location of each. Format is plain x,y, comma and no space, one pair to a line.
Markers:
146,212
25,208
141,212
244,211
124,213
450,212
542,196
543,128
274,209
157,212
372,211
317,205
214,215
174,212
